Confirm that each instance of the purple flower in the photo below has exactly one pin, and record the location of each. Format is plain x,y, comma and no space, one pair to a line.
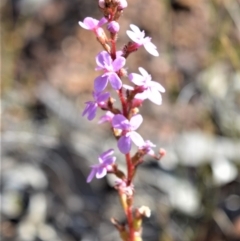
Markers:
91,106
147,148
110,67
106,118
93,25
128,131
139,38
105,164
151,88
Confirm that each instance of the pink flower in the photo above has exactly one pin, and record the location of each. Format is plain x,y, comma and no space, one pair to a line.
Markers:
129,134
147,148
150,88
110,67
91,106
139,38
93,25
105,164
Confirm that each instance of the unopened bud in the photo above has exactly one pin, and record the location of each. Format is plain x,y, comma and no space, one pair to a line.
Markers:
136,103
162,152
122,4
113,27
144,211
101,3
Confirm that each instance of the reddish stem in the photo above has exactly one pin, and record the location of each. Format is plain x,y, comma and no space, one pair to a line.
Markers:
130,167
130,222
123,101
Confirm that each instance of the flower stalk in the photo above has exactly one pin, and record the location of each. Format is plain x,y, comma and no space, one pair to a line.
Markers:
124,121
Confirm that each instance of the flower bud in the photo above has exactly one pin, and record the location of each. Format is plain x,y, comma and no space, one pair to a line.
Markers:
122,4
143,211
113,27
101,3
162,152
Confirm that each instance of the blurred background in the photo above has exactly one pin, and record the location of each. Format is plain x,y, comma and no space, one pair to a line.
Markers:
47,74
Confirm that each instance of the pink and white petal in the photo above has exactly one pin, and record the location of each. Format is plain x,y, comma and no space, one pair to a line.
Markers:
143,72
91,23
155,96
83,25
118,63
135,29
100,83
151,48
137,79
119,53
142,96
157,86
124,144
136,121
136,139
91,175
115,81
101,172
133,37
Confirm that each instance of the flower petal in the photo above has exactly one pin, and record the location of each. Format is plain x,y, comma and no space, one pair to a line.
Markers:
155,96
135,29
136,121
157,86
92,112
103,59
118,63
102,97
124,144
101,172
100,83
136,138
115,81
134,37
141,96
151,49
88,105
89,23
137,79
143,72
106,118
106,154
91,175
120,122
109,161
102,21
